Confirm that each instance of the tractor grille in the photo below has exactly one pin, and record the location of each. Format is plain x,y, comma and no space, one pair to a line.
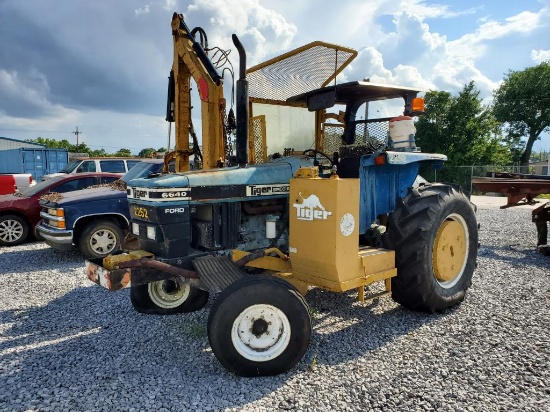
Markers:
216,272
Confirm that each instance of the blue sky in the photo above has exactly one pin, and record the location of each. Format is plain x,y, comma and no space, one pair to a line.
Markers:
102,65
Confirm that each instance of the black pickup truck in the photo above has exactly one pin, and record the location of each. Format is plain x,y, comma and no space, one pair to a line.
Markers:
96,220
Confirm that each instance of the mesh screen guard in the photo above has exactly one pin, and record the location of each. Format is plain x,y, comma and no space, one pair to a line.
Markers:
299,71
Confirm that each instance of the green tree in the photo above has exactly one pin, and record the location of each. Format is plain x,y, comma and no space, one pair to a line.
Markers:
462,128
99,153
61,144
522,103
146,152
124,153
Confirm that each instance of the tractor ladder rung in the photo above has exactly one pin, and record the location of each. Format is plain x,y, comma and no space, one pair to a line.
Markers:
216,272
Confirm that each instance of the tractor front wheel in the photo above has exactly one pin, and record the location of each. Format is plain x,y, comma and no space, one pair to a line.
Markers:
433,231
259,326
167,297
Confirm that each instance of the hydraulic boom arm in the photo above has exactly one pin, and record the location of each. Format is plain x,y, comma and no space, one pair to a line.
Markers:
191,61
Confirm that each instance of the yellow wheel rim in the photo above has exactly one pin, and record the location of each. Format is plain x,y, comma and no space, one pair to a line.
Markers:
450,251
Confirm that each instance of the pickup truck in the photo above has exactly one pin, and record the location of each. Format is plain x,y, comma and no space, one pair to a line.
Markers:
7,185
96,220
22,182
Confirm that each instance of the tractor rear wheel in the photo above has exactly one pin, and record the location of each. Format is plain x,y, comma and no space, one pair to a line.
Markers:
433,231
259,326
167,297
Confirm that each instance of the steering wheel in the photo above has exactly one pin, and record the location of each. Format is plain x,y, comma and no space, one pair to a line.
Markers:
315,153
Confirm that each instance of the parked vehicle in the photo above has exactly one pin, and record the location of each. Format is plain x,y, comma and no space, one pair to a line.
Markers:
97,164
336,210
95,220
37,162
22,181
20,212
7,184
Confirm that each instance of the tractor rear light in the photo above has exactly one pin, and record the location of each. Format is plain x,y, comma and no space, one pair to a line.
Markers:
417,105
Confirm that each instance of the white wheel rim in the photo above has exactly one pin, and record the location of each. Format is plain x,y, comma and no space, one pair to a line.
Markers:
253,342
167,300
103,241
10,231
466,244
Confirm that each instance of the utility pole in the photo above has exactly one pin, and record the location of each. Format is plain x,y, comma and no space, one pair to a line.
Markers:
77,133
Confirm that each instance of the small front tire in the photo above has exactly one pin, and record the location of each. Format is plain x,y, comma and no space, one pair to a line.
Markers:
167,297
259,326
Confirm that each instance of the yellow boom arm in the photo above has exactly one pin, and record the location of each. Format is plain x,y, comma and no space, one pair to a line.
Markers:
191,61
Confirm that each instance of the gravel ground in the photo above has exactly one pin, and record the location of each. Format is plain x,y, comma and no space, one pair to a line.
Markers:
68,345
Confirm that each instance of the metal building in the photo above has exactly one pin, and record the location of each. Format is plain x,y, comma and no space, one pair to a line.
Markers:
8,143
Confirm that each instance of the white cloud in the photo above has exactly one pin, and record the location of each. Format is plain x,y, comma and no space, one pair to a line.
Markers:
169,5
414,56
143,10
424,10
475,44
540,56
369,64
264,32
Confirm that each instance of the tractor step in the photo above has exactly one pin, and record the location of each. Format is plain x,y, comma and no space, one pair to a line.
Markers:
378,264
216,272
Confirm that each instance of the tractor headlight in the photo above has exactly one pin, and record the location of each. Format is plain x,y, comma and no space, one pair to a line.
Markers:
135,229
151,233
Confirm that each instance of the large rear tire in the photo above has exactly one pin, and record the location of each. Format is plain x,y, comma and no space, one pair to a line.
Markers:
433,231
259,326
167,297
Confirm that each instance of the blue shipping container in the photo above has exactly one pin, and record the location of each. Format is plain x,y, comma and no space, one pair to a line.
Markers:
37,162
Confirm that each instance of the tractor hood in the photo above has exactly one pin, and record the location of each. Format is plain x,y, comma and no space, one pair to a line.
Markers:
237,182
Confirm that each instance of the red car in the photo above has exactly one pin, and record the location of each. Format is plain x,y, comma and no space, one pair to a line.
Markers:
20,212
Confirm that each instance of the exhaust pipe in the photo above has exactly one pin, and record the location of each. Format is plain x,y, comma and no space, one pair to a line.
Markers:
242,106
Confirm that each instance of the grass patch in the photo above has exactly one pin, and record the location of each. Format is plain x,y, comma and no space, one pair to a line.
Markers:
197,330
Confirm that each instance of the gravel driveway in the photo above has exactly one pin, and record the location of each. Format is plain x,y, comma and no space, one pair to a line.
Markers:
66,344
